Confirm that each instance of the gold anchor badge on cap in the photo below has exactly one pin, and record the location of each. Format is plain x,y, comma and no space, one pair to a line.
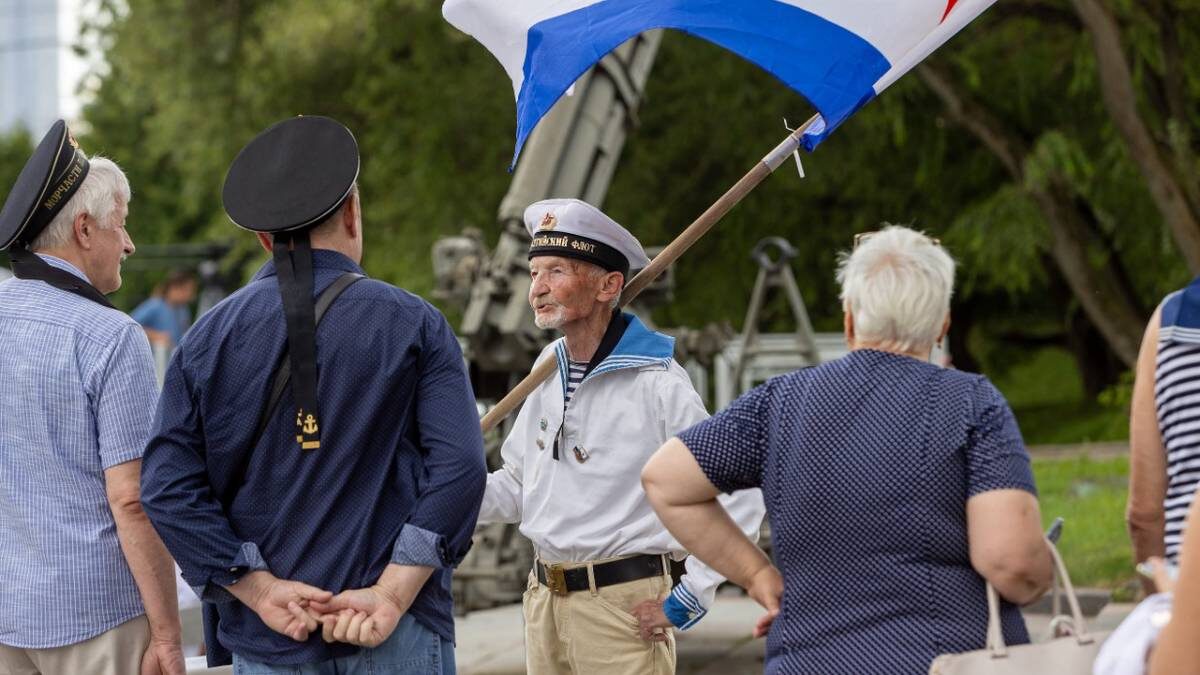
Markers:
549,222
581,454
307,424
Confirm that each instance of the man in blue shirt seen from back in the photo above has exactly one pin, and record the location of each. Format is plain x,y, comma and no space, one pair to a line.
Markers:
364,480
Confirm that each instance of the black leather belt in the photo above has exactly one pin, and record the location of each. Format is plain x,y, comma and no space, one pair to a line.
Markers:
562,581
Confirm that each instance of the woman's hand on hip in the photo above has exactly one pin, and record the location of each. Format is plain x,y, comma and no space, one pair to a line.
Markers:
766,588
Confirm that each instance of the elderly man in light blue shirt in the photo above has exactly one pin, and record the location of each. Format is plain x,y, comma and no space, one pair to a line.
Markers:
86,585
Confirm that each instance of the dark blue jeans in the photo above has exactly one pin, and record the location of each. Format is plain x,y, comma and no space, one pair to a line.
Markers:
411,650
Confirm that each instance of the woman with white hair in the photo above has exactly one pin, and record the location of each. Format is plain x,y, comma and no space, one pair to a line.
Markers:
894,487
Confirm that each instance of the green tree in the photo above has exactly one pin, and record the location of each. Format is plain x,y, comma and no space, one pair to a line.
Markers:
190,82
15,148
1051,146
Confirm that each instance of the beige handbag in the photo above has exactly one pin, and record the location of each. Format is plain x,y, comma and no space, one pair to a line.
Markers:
1066,655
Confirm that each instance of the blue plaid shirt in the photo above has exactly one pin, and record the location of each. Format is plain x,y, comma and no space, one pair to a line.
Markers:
398,478
77,394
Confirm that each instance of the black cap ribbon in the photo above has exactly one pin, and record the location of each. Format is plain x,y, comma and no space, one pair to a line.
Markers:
26,265
294,266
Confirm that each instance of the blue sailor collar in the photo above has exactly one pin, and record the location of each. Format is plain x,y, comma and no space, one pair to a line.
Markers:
638,347
1181,315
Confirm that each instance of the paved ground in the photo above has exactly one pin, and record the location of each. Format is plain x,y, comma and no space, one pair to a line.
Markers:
490,641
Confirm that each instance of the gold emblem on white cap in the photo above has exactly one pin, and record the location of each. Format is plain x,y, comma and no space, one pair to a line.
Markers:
549,222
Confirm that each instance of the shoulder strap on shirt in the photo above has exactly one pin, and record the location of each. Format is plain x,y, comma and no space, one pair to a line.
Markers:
284,373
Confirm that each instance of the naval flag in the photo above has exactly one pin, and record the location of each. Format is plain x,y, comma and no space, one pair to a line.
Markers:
839,54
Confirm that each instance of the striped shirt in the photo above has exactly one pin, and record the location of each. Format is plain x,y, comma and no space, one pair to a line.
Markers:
1177,400
576,371
77,395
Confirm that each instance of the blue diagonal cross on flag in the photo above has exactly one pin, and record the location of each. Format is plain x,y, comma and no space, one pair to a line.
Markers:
839,54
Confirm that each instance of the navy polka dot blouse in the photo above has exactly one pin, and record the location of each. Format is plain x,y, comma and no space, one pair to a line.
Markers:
866,464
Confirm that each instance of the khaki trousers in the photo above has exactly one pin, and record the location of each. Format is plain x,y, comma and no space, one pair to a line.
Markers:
590,632
117,651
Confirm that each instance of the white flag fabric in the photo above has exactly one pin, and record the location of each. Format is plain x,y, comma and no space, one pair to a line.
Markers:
838,54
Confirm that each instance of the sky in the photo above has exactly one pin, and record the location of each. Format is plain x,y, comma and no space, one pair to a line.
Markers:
40,73
72,68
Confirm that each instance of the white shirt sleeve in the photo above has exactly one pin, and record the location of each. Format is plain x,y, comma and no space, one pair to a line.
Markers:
701,581
697,590
679,404
502,498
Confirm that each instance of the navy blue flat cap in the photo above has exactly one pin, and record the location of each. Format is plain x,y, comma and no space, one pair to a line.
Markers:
49,179
291,176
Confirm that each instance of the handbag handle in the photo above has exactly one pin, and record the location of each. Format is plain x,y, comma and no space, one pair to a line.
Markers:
995,634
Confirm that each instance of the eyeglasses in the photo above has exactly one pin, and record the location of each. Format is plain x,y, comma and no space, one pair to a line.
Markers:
862,237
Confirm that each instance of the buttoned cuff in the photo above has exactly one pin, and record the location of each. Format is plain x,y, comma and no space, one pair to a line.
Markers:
420,548
248,559
682,608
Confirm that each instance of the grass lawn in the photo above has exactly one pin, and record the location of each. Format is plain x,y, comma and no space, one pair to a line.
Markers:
1044,391
1045,394
1090,497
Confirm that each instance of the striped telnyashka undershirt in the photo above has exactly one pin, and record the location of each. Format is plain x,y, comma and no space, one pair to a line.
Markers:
575,373
1177,399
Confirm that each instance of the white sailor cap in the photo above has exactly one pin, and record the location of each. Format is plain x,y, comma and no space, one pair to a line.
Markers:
571,228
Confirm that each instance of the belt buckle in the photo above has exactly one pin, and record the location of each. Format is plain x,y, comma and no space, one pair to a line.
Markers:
556,579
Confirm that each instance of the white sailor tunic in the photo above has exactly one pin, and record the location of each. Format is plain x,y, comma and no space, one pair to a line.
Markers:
588,504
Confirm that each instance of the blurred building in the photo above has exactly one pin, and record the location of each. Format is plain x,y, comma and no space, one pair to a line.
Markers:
40,73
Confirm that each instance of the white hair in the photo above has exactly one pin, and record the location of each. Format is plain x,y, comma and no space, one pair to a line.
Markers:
104,185
897,285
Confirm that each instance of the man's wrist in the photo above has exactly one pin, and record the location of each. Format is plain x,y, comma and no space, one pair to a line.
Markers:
165,628
399,584
391,596
167,637
251,588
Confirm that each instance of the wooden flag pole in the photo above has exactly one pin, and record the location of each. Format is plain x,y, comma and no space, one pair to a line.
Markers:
661,262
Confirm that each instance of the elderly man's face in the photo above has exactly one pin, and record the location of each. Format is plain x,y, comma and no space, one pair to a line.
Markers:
562,290
111,245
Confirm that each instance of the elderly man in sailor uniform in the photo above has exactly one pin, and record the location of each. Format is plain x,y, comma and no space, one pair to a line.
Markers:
600,598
